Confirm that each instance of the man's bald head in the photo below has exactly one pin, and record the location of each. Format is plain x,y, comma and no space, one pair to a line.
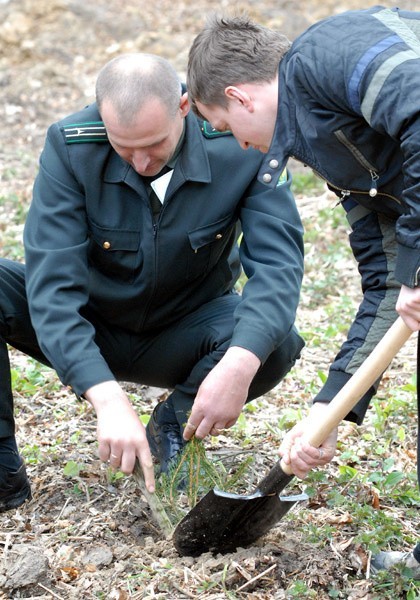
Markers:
130,80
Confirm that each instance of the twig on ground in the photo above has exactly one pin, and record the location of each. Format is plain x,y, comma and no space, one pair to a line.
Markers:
155,504
256,577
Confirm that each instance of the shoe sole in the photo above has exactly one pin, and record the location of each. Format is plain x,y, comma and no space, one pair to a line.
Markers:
153,439
16,500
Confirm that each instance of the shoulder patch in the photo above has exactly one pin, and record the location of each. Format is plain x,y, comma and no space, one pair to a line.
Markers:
283,178
211,132
82,133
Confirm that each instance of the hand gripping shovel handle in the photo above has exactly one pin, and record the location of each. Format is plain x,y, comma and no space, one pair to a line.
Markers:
360,382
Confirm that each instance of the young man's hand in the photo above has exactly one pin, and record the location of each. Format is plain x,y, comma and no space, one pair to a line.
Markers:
296,451
408,306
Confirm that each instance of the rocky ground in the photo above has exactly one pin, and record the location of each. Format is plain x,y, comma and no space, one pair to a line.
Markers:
88,533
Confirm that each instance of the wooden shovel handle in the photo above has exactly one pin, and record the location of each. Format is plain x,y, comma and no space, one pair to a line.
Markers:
365,376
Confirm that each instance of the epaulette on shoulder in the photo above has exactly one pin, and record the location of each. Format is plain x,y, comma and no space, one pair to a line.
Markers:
211,132
82,133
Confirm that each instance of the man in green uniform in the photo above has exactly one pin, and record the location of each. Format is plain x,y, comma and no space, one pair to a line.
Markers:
132,256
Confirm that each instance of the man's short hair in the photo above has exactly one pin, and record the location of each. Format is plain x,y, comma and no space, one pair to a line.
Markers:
130,80
231,51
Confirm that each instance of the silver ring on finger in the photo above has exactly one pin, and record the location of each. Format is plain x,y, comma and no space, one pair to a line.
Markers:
321,453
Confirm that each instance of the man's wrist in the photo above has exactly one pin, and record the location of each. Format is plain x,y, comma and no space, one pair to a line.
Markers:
101,394
242,360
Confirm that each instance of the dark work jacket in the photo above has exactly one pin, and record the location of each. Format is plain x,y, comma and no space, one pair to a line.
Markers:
349,107
94,253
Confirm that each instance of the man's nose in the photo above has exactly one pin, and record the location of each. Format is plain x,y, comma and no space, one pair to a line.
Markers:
140,161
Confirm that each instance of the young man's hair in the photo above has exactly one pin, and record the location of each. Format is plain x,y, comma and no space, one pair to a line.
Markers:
130,80
230,51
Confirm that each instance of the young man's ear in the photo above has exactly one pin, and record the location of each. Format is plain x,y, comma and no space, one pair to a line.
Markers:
184,105
240,95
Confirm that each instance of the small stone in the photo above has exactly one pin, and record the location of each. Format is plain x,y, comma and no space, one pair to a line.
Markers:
26,565
98,556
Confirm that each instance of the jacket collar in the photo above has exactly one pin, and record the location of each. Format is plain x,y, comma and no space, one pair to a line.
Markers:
276,158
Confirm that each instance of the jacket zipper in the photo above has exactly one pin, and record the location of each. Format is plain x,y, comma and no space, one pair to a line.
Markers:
155,281
343,193
362,160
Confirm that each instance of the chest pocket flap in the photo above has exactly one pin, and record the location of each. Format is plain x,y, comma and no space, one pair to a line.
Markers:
208,234
115,253
115,239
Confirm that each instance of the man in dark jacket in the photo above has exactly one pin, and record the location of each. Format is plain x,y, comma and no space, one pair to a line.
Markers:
344,99
132,258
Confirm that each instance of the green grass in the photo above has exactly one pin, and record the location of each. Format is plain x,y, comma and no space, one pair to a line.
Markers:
307,183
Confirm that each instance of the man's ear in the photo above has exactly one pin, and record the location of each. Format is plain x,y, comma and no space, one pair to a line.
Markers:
239,95
184,105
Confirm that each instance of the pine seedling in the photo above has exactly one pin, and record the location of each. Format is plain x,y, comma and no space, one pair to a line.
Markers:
193,475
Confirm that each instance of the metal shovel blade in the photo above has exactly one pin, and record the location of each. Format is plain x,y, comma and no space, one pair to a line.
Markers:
222,522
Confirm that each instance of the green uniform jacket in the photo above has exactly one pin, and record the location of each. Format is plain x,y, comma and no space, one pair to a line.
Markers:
93,252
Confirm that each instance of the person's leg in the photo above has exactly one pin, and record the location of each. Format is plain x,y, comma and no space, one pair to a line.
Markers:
181,356
385,560
416,551
16,330
268,376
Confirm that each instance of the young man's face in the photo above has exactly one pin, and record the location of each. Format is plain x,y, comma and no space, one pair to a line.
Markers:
251,128
149,143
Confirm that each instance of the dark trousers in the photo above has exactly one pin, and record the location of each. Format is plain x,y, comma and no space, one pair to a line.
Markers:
417,548
177,357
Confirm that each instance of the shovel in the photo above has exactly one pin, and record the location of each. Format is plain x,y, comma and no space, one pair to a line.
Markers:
222,522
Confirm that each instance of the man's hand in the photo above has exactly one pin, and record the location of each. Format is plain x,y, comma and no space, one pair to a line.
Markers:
121,434
408,306
222,394
299,454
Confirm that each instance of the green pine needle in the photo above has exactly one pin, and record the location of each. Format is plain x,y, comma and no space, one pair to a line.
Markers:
193,475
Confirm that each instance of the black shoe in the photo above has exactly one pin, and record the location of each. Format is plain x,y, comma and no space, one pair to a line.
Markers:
14,488
165,439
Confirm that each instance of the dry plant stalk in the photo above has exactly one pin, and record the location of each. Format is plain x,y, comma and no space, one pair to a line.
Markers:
154,502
